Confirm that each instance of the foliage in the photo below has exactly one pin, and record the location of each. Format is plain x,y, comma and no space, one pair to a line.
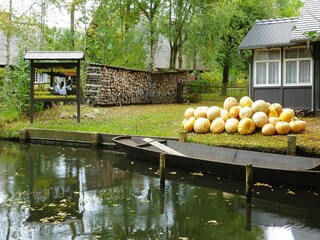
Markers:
2,76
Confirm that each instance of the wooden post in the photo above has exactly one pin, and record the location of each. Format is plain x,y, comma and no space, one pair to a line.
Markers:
292,141
23,135
248,181
248,214
162,169
95,137
183,136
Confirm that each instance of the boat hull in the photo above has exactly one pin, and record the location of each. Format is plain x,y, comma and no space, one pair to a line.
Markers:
229,167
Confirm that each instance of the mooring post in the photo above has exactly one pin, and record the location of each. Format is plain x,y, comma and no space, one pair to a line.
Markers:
95,137
23,136
248,181
292,145
162,169
183,136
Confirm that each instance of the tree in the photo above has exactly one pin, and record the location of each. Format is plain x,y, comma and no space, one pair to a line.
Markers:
178,14
150,9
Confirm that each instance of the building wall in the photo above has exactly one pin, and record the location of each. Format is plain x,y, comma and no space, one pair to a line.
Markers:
107,85
316,94
296,97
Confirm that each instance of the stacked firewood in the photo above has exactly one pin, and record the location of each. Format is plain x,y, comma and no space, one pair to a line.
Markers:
120,86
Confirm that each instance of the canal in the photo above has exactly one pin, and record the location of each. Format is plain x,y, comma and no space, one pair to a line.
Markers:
55,192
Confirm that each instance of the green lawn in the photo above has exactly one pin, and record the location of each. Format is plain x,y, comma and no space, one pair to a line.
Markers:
159,120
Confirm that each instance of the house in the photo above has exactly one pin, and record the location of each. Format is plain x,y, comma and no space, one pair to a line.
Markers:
285,65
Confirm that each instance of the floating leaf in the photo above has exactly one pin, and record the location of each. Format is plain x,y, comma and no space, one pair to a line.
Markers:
214,222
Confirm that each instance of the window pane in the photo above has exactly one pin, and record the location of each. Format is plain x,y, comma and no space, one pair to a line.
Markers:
304,53
273,73
304,71
261,73
274,54
291,53
291,72
261,55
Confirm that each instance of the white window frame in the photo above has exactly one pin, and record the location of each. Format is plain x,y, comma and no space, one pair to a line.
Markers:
255,84
298,59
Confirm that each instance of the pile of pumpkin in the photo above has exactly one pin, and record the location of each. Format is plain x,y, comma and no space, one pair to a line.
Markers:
244,117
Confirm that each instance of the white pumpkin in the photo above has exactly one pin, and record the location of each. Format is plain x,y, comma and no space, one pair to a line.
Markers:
217,125
245,112
282,128
201,125
295,127
286,115
234,111
246,126
188,125
245,102
183,122
260,119
303,124
273,120
231,125
213,112
277,107
272,112
268,129
189,113
224,114
200,112
260,106
229,102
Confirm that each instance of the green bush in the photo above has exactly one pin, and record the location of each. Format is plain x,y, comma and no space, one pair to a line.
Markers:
2,76
212,77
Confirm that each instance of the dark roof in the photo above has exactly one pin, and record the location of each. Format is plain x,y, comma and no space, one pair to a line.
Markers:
54,55
269,33
308,21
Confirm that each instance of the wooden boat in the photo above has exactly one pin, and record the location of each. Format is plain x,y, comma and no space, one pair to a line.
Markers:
267,167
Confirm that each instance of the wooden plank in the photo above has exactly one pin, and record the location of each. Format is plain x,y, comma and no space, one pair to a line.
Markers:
162,147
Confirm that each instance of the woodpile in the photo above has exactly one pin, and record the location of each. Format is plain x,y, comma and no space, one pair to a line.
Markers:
120,86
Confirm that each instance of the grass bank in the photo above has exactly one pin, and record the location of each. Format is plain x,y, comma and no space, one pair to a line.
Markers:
158,120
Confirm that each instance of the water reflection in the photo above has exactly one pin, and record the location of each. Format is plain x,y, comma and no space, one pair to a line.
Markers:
49,192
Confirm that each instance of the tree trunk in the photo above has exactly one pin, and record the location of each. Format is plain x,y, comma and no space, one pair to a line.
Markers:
8,49
73,9
225,79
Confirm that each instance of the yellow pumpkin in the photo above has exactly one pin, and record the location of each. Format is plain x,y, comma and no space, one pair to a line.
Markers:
245,102
260,106
189,113
273,120
217,125
282,127
277,107
234,112
260,119
188,125
231,125
286,115
224,114
303,124
246,126
245,112
183,122
201,125
295,127
213,112
268,129
200,112
229,102
272,112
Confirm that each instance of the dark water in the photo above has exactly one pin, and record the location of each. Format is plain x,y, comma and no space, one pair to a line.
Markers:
49,192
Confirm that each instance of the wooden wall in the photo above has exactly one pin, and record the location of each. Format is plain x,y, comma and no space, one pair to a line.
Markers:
107,85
